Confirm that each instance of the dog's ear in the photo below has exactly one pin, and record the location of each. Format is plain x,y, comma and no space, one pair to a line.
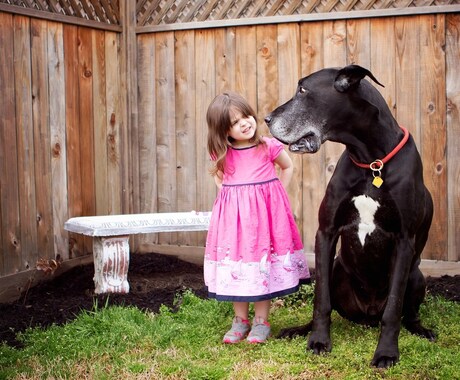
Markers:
350,76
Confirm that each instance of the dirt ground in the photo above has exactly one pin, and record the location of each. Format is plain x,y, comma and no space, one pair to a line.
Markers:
154,280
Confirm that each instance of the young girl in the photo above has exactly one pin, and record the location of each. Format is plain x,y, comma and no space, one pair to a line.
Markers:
253,249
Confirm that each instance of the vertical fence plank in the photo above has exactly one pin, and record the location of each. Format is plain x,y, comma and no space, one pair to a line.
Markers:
453,134
148,178
246,64
185,129
267,73
165,128
9,186
57,134
433,123
101,183
225,59
205,92
407,90
334,50
359,42
382,58
128,74
85,85
76,242
25,135
114,122
42,141
288,75
313,174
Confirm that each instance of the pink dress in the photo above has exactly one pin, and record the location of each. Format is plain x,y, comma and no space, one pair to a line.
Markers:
253,248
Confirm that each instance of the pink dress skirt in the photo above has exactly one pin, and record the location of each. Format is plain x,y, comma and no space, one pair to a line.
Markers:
253,249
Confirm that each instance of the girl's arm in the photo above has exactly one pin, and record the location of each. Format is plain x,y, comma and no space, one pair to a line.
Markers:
286,166
218,179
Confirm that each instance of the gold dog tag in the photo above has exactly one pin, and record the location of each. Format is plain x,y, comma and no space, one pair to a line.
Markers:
377,182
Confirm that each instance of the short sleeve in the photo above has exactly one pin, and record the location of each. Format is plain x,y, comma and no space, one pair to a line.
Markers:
274,148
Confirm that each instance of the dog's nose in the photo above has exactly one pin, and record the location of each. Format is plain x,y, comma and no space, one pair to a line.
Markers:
268,119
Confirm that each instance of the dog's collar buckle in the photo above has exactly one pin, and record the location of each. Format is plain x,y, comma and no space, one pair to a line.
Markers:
376,168
377,165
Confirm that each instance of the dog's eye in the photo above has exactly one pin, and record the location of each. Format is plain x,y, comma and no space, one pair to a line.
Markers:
302,90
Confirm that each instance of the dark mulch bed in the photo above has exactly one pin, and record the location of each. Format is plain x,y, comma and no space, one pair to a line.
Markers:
154,280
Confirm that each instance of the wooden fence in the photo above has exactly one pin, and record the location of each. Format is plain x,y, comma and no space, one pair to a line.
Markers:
179,72
89,127
61,131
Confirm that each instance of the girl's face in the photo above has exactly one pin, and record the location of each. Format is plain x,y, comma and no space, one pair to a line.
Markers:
243,128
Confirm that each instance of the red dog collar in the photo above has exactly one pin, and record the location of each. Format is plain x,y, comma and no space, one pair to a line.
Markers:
378,164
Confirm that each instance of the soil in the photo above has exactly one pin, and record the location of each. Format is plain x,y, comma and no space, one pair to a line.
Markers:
154,279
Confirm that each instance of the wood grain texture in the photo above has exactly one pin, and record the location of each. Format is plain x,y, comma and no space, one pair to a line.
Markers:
288,75
453,135
147,158
334,55
313,173
56,72
267,74
166,128
114,122
76,243
9,181
433,129
186,168
86,125
101,183
42,137
25,138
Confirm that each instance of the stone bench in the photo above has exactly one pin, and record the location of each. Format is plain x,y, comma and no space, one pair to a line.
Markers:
110,235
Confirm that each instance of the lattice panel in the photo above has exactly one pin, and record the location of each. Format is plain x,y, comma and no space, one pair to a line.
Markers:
158,12
106,11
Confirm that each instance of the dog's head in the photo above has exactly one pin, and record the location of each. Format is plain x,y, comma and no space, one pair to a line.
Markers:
325,105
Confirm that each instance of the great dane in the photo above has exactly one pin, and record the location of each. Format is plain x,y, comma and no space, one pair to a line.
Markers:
376,203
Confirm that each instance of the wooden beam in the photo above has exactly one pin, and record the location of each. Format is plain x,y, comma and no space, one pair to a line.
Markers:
58,17
301,18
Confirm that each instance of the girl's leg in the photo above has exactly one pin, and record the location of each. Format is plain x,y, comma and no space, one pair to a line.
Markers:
241,309
240,324
262,309
260,327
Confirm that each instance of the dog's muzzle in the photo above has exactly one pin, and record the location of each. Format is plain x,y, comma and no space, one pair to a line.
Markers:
291,134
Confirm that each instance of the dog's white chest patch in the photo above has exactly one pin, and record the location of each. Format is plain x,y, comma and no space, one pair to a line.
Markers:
366,207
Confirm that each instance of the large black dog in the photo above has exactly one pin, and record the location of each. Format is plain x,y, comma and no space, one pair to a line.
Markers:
376,203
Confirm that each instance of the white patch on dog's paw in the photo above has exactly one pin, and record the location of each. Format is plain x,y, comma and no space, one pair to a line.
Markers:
366,207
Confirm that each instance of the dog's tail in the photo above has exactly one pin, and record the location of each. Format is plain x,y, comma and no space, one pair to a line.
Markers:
292,332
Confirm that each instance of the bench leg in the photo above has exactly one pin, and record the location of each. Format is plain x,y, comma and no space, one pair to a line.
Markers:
111,261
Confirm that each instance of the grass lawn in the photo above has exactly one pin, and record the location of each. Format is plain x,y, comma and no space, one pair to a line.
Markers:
127,343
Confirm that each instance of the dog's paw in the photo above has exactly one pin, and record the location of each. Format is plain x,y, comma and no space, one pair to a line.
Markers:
384,361
292,332
417,329
319,345
426,333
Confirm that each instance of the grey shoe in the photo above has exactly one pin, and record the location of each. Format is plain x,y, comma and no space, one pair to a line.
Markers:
260,331
239,330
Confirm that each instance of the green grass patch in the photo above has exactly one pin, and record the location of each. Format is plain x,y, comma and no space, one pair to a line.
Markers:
127,343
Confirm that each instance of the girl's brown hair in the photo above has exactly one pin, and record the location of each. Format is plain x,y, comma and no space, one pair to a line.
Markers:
219,122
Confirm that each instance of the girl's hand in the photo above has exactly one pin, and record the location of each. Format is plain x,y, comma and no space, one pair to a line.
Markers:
287,168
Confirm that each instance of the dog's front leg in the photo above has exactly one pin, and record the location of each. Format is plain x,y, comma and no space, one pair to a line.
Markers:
387,352
320,340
